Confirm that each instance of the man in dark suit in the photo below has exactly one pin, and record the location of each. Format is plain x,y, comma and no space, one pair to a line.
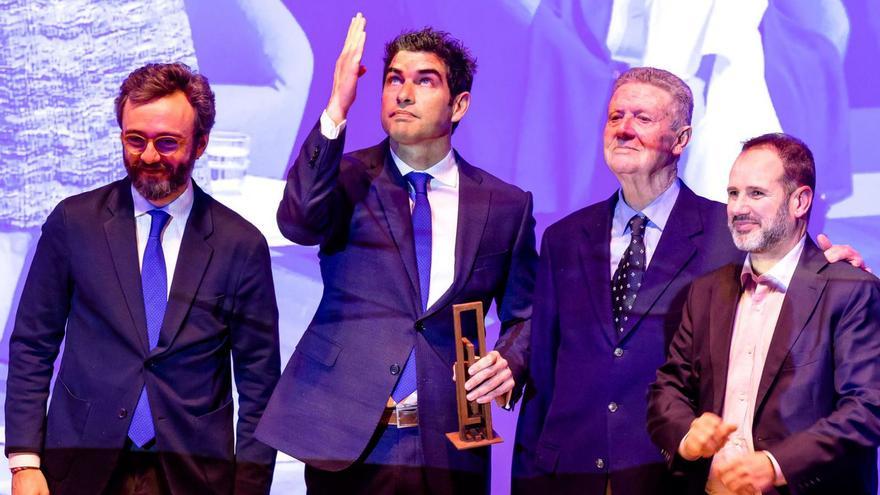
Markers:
152,286
772,377
611,282
406,229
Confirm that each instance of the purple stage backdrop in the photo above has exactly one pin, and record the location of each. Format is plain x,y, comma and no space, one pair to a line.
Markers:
545,69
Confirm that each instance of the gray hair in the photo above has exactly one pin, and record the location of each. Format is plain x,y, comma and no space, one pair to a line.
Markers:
681,94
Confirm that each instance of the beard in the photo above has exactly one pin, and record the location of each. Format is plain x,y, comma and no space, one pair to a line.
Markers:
153,186
764,238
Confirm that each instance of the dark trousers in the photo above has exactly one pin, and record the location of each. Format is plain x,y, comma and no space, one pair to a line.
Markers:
138,472
393,466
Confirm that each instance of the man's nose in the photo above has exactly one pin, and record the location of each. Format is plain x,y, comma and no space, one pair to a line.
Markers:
406,95
150,155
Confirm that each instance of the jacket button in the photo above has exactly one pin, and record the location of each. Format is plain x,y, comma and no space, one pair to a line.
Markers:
600,463
612,406
395,369
618,352
123,412
420,326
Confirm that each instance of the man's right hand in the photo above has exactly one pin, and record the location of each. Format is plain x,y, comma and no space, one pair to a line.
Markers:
707,435
29,482
348,70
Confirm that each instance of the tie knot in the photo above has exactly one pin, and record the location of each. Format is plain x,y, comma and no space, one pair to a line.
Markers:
419,181
637,225
160,218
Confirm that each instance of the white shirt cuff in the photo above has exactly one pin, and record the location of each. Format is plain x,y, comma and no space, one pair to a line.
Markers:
24,459
780,478
330,129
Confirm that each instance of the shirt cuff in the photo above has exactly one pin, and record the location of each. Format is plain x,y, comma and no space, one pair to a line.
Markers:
330,129
24,459
780,478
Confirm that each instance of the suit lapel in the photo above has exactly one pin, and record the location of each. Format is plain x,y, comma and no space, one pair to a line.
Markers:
121,234
473,212
671,255
393,195
722,304
192,261
800,300
595,257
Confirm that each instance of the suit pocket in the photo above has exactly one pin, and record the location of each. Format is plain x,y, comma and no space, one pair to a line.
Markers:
546,457
64,430
212,432
488,261
319,348
212,306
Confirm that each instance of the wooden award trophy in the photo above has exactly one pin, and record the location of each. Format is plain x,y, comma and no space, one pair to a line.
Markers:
474,420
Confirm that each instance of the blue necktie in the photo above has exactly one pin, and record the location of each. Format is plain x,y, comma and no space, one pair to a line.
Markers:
421,219
155,282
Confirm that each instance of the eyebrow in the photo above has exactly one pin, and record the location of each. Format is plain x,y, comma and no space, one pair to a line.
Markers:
420,72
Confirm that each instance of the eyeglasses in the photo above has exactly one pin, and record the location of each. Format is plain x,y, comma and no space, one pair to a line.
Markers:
164,145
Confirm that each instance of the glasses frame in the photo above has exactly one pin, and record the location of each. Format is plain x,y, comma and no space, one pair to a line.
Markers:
181,143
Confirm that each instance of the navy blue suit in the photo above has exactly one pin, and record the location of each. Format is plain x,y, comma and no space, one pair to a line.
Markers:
583,415
84,287
818,403
331,395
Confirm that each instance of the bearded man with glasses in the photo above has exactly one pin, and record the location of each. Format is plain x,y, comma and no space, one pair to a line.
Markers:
152,286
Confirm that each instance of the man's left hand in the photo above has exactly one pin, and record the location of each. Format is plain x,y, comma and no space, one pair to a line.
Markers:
749,473
841,252
491,378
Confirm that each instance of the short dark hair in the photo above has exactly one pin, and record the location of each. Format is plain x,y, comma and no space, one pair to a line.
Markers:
154,81
682,97
460,65
797,159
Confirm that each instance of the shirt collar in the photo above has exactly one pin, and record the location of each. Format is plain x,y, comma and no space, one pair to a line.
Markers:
445,171
657,211
177,208
780,275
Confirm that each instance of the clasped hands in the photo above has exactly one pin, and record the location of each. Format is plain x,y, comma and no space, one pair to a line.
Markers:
745,474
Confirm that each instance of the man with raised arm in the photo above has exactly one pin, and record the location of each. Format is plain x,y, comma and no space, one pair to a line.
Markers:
406,229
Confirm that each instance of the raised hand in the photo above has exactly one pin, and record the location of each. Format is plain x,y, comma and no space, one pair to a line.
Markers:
348,70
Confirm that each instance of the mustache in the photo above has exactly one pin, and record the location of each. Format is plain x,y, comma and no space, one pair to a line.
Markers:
744,218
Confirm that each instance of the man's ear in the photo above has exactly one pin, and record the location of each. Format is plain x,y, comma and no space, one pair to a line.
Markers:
201,144
460,105
682,138
800,202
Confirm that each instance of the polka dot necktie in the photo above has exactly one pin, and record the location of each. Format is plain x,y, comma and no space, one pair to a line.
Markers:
154,281
628,276
421,220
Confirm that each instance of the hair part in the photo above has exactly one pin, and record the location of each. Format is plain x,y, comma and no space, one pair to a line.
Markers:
682,97
154,81
460,65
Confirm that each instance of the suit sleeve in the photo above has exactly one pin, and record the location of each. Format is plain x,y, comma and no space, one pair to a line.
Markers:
37,336
672,397
515,303
256,364
314,204
807,455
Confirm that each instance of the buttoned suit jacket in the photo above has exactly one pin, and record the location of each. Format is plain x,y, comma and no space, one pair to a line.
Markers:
583,413
336,385
818,403
84,287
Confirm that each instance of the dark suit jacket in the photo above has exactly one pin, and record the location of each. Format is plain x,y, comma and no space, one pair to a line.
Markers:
818,404
84,288
583,416
334,389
